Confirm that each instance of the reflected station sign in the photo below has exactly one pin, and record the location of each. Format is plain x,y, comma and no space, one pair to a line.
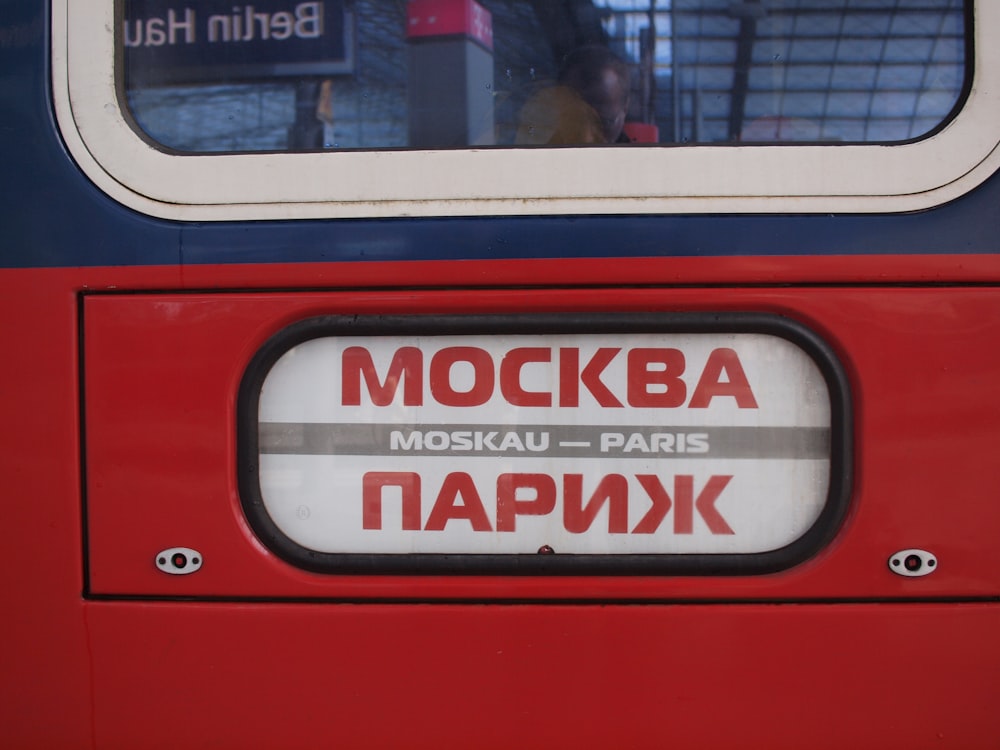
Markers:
174,41
697,439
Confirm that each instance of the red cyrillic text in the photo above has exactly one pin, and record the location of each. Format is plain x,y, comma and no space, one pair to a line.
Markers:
517,495
655,378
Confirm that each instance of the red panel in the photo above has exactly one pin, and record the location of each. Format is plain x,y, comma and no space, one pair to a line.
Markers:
432,18
45,688
162,373
536,272
439,676
184,674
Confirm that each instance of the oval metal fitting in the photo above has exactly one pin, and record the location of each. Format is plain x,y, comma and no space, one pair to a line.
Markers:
179,561
913,563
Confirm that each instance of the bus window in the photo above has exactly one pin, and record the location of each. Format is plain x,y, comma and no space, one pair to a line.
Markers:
504,107
284,75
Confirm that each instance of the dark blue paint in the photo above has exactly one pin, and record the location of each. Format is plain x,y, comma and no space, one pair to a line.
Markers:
52,216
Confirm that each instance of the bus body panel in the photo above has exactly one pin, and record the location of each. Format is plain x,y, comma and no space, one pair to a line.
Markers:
161,373
496,676
837,651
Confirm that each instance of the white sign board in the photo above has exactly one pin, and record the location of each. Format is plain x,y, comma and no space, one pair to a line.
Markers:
649,442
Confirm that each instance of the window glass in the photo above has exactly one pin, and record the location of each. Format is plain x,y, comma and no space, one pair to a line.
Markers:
280,75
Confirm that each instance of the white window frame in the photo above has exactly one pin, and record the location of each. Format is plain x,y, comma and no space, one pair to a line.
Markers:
865,178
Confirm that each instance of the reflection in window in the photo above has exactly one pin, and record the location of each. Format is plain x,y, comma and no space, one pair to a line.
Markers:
370,74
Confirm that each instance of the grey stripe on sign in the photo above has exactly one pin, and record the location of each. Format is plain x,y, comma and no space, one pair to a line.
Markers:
578,441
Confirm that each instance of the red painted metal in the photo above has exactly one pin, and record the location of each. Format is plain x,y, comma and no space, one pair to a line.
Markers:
162,373
653,669
433,676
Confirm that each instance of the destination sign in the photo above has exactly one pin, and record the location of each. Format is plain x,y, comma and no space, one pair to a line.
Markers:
646,443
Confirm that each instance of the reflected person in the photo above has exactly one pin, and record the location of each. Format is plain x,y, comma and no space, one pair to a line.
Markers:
587,105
